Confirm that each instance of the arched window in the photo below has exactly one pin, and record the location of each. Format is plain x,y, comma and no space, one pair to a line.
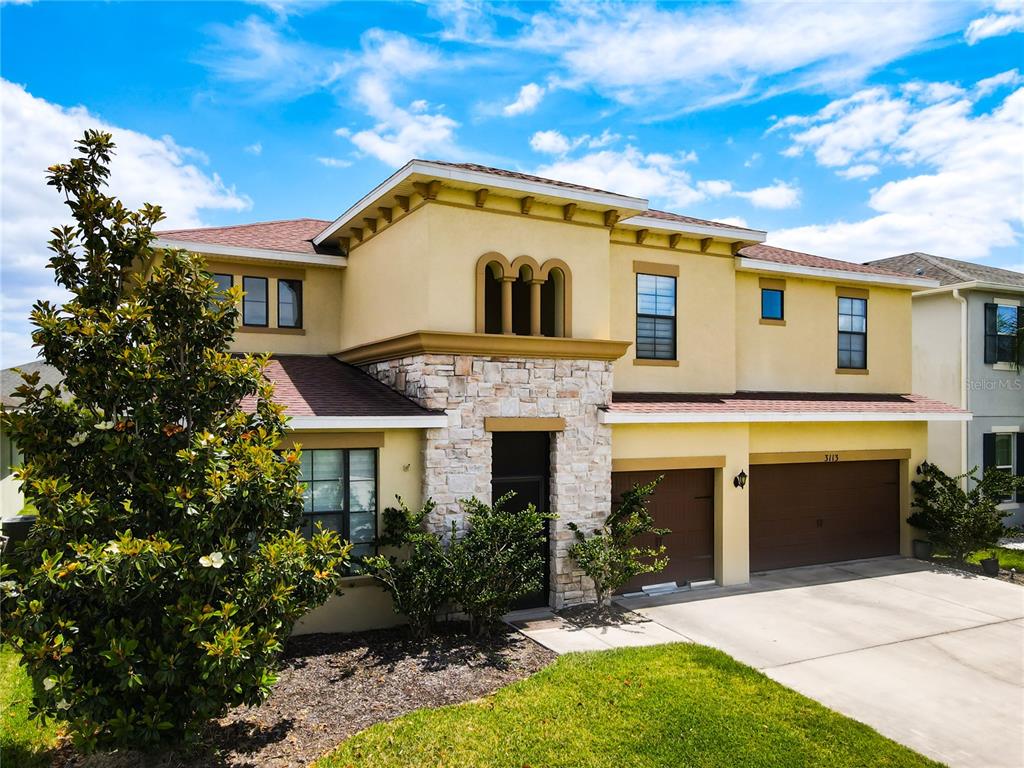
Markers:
492,297
556,299
521,301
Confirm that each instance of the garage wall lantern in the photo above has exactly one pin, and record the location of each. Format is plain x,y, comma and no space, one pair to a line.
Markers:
740,481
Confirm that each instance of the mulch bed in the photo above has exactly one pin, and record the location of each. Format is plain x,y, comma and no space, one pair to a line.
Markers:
332,686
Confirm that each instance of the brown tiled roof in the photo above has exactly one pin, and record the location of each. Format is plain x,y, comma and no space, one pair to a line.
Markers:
785,256
292,235
948,271
520,176
668,216
10,380
320,385
774,402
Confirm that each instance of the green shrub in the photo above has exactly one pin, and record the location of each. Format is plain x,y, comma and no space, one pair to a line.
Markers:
497,561
959,521
419,577
609,557
164,571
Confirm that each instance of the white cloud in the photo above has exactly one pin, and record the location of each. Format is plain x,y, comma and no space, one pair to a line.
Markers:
333,162
1007,18
661,178
630,172
529,97
254,55
690,56
255,149
736,221
37,134
859,171
776,196
550,143
1009,79
605,139
964,195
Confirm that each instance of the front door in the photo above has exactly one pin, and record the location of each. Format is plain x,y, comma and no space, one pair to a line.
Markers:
520,463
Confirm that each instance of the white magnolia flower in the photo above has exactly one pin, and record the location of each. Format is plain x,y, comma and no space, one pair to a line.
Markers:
104,425
78,439
212,560
49,683
113,548
63,704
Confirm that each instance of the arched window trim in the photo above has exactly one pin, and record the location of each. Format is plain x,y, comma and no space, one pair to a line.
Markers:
504,269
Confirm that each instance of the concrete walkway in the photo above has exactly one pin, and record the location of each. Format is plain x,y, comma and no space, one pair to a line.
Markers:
929,656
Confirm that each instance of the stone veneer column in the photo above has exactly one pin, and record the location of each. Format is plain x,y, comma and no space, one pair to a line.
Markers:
457,461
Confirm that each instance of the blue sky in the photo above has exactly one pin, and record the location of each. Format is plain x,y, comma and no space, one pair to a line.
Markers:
850,130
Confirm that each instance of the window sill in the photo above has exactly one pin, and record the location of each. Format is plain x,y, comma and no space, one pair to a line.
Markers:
655,362
772,321
853,371
267,329
1004,367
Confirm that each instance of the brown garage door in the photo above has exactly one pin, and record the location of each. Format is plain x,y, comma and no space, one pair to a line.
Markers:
684,502
802,514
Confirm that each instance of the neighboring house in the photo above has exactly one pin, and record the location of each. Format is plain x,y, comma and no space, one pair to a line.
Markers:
11,500
967,351
464,331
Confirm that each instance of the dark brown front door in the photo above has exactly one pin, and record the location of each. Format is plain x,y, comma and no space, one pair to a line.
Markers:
683,502
804,514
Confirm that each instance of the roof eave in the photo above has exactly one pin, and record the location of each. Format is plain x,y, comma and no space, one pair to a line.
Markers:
257,254
972,285
732,417
491,180
748,264
424,421
724,232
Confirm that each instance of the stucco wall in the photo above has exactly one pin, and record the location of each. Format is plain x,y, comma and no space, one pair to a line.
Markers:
990,391
363,605
801,355
705,322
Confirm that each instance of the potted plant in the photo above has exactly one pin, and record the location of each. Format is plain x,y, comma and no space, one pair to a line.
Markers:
960,521
923,549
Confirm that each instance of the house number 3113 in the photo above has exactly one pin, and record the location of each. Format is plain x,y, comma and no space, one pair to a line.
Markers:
831,458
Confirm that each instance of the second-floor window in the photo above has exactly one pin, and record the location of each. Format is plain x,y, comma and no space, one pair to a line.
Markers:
655,317
772,304
1003,323
224,282
289,303
853,333
254,303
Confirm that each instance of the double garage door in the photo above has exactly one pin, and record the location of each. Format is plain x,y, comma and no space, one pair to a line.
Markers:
804,514
800,514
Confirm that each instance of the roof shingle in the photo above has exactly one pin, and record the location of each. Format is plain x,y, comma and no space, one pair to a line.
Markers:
948,271
775,402
291,235
785,256
319,385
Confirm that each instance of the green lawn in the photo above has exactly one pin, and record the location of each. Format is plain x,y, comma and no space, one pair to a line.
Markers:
670,705
23,742
1008,558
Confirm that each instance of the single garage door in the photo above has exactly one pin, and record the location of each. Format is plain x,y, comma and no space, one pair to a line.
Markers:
683,502
803,514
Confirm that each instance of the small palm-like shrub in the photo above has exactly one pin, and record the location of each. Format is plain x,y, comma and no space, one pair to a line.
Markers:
957,520
609,556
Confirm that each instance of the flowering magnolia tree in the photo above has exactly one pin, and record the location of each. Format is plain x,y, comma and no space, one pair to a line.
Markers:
164,571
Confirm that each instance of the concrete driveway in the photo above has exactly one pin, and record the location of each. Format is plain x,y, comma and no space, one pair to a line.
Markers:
931,657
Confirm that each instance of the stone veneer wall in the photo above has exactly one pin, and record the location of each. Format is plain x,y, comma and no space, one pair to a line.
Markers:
457,462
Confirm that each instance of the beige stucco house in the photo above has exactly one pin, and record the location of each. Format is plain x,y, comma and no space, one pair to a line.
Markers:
464,330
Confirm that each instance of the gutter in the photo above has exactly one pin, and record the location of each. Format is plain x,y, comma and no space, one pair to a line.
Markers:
963,379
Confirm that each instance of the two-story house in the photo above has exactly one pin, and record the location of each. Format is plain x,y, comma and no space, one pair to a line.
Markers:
967,351
464,330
